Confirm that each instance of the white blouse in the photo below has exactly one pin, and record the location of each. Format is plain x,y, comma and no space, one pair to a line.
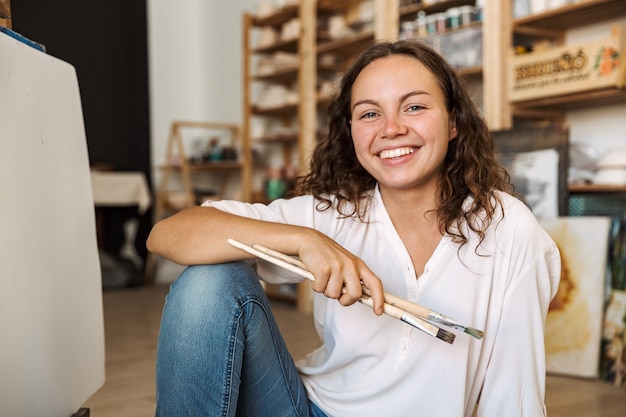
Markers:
373,365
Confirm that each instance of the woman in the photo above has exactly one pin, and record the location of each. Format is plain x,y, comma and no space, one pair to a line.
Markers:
404,194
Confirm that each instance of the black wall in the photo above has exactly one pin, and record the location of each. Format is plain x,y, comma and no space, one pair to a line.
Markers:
106,41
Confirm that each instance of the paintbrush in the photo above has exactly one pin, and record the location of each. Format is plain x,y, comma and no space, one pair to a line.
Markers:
428,314
296,266
415,309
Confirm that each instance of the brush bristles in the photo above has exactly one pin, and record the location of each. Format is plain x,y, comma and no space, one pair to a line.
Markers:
446,336
478,334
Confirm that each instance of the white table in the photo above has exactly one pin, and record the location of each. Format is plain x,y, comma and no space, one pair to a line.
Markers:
117,233
120,189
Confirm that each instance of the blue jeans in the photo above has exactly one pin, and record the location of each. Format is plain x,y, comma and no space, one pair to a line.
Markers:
220,352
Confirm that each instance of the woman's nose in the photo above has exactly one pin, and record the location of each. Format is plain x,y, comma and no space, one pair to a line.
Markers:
393,126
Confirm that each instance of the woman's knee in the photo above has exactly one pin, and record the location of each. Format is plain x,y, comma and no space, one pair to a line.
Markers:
200,285
203,296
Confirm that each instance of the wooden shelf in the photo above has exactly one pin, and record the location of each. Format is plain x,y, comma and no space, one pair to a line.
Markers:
584,99
277,18
334,6
329,68
184,168
283,75
438,7
289,45
206,166
215,166
279,138
323,100
287,110
470,71
582,13
348,44
596,188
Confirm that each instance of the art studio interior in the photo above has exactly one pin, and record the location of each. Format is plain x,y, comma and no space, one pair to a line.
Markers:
116,115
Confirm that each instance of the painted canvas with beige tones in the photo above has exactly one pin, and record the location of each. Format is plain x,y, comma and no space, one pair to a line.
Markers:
575,318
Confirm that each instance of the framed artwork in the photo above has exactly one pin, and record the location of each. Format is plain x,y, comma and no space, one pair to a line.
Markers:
536,159
574,324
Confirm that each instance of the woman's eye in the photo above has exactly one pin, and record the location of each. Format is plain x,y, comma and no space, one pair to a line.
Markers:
368,115
415,107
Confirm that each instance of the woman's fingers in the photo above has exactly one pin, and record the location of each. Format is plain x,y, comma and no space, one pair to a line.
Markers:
338,273
375,287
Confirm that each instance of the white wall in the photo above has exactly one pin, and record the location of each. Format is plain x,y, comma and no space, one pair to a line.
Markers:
195,55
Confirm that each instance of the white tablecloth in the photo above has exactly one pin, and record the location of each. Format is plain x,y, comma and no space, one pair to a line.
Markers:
116,189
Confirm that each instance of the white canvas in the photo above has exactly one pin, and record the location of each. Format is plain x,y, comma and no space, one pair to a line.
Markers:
51,328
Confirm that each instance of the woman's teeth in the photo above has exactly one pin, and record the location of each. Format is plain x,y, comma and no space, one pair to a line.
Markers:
395,153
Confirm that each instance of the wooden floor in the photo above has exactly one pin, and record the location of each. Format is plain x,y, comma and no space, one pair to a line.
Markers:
131,326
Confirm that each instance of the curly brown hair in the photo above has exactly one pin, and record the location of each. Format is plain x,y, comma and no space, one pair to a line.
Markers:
470,166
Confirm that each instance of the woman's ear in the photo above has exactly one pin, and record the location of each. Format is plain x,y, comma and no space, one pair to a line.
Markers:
452,133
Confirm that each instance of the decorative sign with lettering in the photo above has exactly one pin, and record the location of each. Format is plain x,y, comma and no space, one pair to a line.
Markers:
570,69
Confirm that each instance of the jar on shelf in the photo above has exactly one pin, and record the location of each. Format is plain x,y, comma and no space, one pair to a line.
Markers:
420,22
453,18
465,15
275,185
440,22
407,30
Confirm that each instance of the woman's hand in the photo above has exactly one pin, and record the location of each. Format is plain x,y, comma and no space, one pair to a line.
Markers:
338,273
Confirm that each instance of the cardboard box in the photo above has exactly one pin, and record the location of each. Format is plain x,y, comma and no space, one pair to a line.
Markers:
570,69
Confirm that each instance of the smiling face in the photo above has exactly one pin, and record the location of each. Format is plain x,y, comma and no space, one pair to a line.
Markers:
400,125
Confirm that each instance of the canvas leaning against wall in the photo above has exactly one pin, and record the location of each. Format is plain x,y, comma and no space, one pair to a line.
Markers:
575,319
535,175
536,159
613,360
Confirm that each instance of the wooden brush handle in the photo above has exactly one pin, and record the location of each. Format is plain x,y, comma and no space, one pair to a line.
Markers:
390,310
290,266
403,304
285,258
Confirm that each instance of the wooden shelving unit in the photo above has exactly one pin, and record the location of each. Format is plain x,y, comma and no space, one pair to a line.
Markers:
177,162
551,25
